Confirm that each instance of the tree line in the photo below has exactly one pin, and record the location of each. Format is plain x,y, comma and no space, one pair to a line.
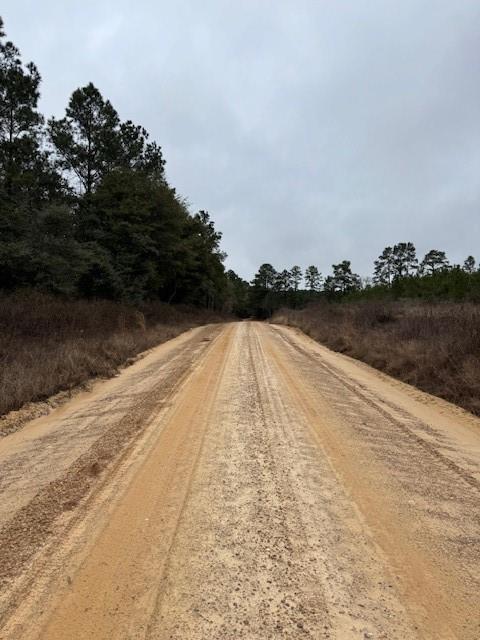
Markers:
85,207
397,273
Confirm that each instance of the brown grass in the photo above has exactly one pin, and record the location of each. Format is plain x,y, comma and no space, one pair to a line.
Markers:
49,345
435,347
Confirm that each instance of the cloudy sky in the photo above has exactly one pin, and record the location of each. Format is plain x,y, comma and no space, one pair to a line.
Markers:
312,130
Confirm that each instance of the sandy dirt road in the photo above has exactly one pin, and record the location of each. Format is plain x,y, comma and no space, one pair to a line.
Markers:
242,481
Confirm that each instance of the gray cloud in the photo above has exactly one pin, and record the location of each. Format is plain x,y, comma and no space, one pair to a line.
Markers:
312,131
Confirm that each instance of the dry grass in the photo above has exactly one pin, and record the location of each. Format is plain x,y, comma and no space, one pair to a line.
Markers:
435,347
49,345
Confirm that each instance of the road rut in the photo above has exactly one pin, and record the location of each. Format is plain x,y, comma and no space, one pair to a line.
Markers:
243,482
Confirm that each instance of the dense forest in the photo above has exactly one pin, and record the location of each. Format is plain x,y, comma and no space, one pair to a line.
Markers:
85,207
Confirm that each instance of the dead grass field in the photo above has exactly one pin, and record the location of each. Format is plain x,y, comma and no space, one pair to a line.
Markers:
435,347
49,345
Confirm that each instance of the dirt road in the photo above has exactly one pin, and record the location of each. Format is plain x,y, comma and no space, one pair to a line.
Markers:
242,481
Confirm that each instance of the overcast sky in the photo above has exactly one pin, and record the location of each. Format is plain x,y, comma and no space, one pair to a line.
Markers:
313,131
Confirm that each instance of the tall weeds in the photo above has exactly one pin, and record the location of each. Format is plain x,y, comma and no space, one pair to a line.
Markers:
49,344
435,347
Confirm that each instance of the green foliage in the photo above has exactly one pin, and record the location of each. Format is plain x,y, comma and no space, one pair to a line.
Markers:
27,178
434,281
135,223
271,290
343,279
296,277
238,295
446,284
100,221
405,261
394,262
384,267
469,264
91,142
433,262
283,281
262,298
86,138
28,181
265,277
19,117
203,274
313,278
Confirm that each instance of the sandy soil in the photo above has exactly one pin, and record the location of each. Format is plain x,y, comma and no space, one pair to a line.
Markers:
242,481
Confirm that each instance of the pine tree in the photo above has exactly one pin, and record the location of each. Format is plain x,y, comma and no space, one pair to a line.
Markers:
404,259
296,277
27,179
135,152
208,285
125,234
434,261
92,142
265,277
238,290
87,139
343,279
313,278
385,267
469,265
283,281
26,176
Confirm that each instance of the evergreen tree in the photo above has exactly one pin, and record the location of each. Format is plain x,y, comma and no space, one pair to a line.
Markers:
343,279
405,261
265,277
135,152
469,265
27,180
283,281
20,120
152,162
125,235
136,226
87,140
205,276
262,296
385,267
313,278
434,261
238,295
58,260
296,277
92,142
